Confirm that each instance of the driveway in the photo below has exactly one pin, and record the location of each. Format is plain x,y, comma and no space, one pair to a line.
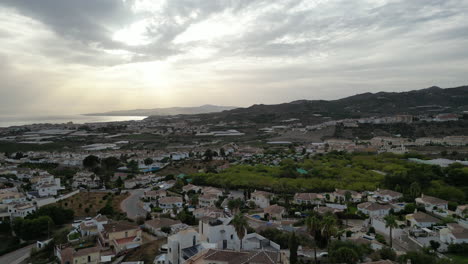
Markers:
16,256
132,205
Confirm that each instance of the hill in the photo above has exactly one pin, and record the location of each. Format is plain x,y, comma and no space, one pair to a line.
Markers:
167,111
431,100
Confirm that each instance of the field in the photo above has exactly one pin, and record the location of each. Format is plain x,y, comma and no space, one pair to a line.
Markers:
94,201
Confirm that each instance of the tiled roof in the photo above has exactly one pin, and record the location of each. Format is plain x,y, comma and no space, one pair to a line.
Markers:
161,222
170,200
119,226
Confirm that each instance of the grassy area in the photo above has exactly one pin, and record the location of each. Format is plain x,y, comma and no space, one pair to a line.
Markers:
459,259
89,203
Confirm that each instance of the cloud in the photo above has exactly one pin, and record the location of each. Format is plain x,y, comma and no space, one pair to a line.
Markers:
274,51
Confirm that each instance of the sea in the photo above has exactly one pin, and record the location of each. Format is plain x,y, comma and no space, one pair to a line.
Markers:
18,120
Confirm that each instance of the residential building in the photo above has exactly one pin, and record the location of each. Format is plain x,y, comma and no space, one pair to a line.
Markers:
211,212
21,209
454,234
120,235
387,195
155,225
190,187
432,203
261,198
374,209
462,210
69,255
308,198
170,202
420,219
207,200
340,196
275,212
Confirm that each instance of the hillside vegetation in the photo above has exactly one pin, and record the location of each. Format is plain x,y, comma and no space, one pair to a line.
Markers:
346,171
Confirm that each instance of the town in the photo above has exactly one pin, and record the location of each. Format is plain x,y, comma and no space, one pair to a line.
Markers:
174,190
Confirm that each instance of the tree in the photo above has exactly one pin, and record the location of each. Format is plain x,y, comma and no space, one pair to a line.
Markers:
415,190
240,225
390,222
347,196
148,161
329,227
345,255
314,226
91,162
110,163
133,166
208,155
119,182
434,245
293,246
166,229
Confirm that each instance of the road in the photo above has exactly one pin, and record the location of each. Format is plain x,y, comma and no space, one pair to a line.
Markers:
17,256
131,205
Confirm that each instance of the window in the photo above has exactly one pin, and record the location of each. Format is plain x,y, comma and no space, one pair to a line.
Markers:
126,234
89,258
232,236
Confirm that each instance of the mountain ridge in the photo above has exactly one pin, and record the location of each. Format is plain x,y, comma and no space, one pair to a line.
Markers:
167,111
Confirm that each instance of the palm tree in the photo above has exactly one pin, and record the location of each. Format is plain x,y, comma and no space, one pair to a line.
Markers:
390,222
240,224
314,226
329,228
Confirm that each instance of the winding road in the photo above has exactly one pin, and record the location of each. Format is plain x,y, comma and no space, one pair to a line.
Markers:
131,205
16,256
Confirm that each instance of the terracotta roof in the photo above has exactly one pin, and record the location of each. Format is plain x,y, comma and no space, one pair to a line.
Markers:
262,193
86,251
274,209
425,218
433,200
170,200
388,192
308,196
374,206
119,226
161,222
125,240
208,196
343,192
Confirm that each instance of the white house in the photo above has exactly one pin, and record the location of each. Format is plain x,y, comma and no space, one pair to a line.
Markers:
261,198
308,198
219,232
170,202
454,234
275,211
421,220
387,195
432,203
340,195
155,225
207,200
374,209
21,209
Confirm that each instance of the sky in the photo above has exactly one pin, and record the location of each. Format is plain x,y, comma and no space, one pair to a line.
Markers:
67,56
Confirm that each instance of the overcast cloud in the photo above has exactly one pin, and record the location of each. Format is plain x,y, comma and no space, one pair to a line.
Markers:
83,56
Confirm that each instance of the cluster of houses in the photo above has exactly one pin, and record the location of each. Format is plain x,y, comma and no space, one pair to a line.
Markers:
103,239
